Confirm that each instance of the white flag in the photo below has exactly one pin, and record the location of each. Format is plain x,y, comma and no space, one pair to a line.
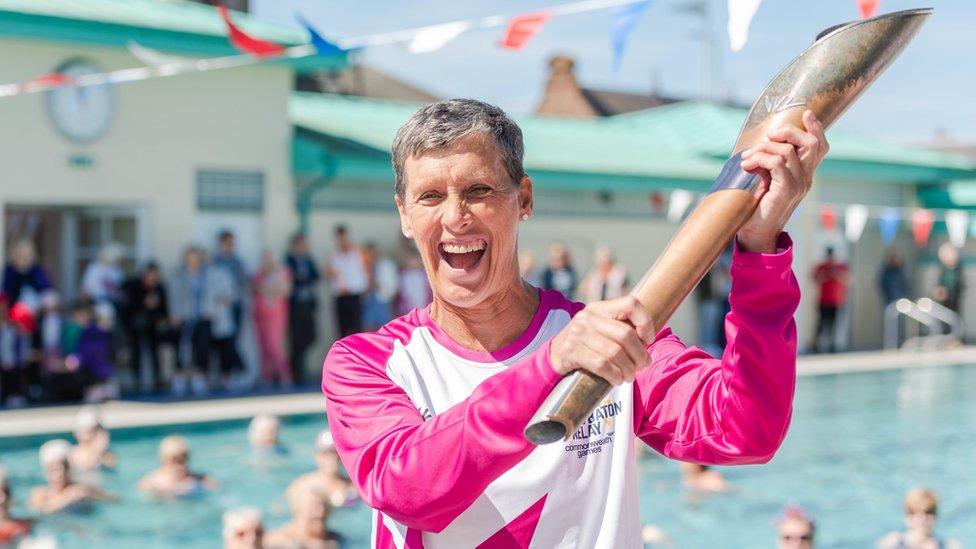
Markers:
678,205
740,16
433,38
855,217
957,223
153,58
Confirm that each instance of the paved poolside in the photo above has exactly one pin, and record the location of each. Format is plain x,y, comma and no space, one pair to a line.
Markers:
128,413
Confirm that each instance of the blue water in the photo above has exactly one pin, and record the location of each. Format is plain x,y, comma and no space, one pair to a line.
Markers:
857,442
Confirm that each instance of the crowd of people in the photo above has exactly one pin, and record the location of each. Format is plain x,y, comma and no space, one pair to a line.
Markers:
833,276
56,352
72,485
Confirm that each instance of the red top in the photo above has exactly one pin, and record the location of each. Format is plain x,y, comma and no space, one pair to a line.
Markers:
832,276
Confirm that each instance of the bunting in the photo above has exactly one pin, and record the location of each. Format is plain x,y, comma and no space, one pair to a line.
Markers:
681,199
867,8
828,218
322,46
523,28
245,42
855,218
889,222
922,222
433,38
957,224
741,13
625,18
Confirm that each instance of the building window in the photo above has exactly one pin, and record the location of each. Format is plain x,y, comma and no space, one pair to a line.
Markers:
224,190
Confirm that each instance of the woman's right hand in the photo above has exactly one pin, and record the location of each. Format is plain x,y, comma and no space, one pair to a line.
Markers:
606,338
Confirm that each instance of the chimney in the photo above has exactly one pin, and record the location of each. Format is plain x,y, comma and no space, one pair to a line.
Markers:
563,96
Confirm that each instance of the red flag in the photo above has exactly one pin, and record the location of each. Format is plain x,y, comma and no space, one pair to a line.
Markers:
45,80
244,42
867,7
828,218
522,28
922,221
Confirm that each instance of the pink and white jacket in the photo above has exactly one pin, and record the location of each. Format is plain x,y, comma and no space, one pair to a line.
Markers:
431,432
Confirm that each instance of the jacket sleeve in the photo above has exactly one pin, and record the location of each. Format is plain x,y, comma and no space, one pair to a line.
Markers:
425,473
734,410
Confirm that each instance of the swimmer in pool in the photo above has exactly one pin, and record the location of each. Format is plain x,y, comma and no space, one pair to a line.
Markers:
310,509
794,529
921,509
61,492
243,529
173,477
327,474
92,451
12,529
262,434
701,478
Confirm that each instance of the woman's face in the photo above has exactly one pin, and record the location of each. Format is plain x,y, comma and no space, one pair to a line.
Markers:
461,208
56,473
921,520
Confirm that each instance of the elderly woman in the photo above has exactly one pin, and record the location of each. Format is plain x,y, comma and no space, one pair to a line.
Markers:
428,412
62,493
173,478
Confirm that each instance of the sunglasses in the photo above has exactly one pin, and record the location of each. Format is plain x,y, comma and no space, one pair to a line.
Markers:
180,458
789,537
920,512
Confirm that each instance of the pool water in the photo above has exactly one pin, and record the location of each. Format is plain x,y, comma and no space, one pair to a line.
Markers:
857,443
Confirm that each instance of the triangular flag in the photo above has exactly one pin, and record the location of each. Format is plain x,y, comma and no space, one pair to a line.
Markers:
889,221
322,46
867,7
855,217
740,17
922,222
153,58
624,20
522,28
957,223
245,42
433,38
678,205
828,218
47,80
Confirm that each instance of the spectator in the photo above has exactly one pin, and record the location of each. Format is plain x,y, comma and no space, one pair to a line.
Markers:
891,278
146,313
61,492
92,452
607,279
49,337
102,280
93,359
702,478
327,474
219,302
228,260
272,285
14,354
921,510
414,291
713,304
302,304
559,275
242,529
23,272
795,529
949,287
310,511
188,312
347,275
173,478
527,267
383,281
12,529
831,275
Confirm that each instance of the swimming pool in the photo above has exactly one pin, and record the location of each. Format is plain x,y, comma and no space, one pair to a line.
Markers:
857,442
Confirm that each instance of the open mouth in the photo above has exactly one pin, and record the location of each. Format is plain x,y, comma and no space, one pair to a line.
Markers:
463,255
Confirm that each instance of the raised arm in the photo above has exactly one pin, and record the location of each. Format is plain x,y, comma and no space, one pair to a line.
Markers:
425,473
693,407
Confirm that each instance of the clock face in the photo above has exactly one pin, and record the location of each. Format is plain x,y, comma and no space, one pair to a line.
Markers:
81,113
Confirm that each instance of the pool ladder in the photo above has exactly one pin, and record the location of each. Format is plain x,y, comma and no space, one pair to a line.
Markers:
943,325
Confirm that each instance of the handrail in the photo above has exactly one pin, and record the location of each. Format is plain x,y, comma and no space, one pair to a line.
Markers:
925,312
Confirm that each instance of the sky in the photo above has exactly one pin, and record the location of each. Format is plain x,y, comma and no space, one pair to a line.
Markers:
929,88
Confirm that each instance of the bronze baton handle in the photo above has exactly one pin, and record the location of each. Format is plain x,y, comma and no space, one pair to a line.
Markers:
826,78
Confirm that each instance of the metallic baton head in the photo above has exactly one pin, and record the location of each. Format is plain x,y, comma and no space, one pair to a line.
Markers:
833,72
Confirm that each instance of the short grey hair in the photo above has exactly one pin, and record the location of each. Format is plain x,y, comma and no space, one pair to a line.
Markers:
440,125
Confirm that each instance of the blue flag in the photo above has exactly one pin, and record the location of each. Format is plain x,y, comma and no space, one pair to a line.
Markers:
889,224
624,20
322,46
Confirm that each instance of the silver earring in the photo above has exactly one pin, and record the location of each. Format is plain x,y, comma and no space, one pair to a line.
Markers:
525,217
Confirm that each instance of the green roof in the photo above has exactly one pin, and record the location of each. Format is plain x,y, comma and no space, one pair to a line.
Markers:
169,25
956,194
683,145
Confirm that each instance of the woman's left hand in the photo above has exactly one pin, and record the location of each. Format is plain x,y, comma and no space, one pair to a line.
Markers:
785,163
